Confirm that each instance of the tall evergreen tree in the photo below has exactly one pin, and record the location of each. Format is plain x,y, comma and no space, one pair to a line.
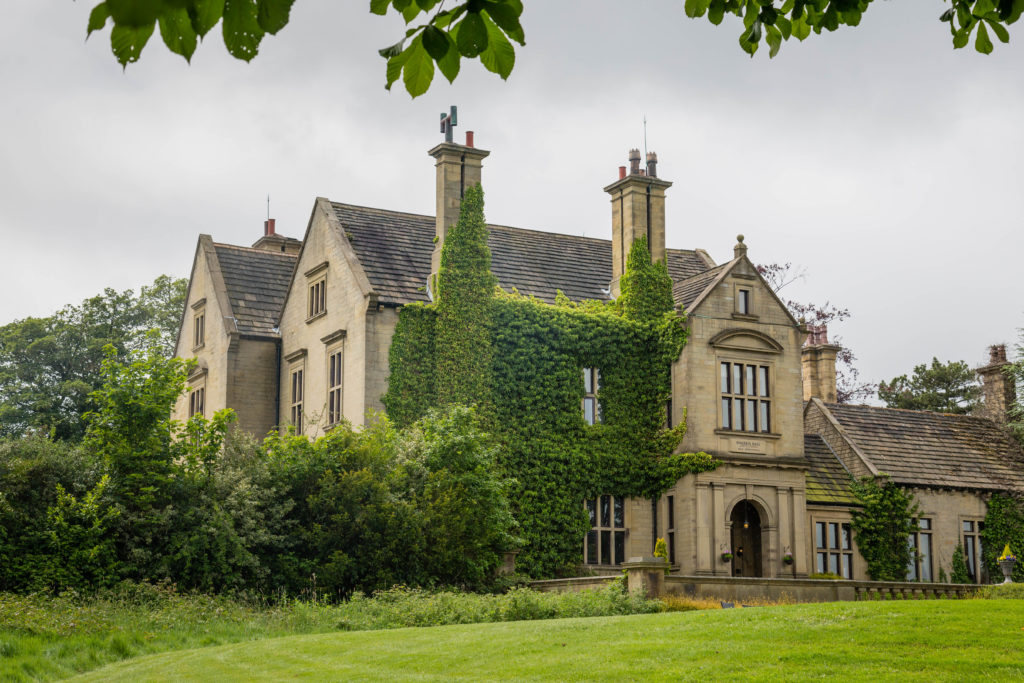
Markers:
941,387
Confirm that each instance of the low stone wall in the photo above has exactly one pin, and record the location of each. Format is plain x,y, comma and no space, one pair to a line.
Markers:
738,589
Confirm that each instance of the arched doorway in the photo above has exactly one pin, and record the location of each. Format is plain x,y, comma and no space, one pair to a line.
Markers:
746,539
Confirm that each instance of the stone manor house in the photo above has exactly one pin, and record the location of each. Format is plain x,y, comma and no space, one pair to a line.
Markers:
296,333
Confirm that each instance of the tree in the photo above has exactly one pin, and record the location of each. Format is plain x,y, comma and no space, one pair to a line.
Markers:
849,388
486,29
942,387
881,527
50,366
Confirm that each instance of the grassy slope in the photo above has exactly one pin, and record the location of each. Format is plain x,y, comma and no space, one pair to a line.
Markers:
925,640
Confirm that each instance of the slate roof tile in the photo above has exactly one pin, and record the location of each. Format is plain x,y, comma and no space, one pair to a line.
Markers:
922,448
686,291
257,282
828,481
394,249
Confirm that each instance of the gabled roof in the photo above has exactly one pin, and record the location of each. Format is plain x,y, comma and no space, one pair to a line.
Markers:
828,480
687,291
921,448
256,282
394,249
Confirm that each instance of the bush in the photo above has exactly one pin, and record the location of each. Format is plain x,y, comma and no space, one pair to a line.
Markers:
1001,591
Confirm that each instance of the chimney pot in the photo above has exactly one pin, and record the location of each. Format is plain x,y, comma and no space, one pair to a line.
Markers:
634,162
652,164
622,172
268,226
469,138
997,353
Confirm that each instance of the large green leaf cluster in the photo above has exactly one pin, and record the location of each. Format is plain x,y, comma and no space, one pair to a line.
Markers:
881,527
50,366
1004,524
537,354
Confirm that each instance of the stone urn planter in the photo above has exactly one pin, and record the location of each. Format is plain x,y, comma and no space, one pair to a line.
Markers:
1007,567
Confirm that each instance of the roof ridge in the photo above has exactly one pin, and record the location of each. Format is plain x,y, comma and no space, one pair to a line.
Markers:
930,413
256,250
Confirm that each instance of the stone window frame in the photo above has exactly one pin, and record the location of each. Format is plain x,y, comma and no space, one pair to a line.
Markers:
922,564
334,367
316,292
739,290
764,372
971,541
833,546
609,532
591,396
296,389
199,324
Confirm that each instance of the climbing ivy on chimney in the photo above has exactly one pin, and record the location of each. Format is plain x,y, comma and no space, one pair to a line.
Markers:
525,359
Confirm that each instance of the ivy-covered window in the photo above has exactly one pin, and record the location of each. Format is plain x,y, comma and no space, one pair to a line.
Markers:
833,548
746,397
591,389
972,550
920,541
606,540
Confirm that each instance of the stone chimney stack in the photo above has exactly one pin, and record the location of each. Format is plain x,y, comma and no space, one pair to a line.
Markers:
271,241
997,388
818,359
458,167
638,210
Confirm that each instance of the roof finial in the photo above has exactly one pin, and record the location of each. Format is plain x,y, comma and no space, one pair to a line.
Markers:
740,249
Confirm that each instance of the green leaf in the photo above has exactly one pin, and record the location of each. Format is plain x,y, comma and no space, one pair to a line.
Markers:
716,11
379,7
696,8
418,71
273,14
1000,31
983,7
177,32
471,37
785,26
443,19
507,18
394,68
392,50
134,13
411,11
500,56
436,42
982,43
205,14
451,62
97,18
242,32
774,39
750,38
127,42
961,37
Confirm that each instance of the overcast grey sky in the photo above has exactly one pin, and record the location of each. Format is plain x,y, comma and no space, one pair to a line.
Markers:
880,159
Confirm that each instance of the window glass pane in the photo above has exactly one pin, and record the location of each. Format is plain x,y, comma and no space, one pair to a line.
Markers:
833,535
846,536
912,567
762,384
751,420
847,566
588,381
725,378
925,523
591,557
821,563
819,532
619,516
597,380
671,548
592,511
726,413
737,414
671,512
751,382
969,557
744,303
620,546
737,378
833,563
764,424
606,511
968,526
606,547
588,410
926,557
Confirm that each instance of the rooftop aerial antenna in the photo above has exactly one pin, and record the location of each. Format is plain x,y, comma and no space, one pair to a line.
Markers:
448,121
645,136
268,206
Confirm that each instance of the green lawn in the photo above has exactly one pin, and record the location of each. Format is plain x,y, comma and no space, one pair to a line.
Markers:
912,640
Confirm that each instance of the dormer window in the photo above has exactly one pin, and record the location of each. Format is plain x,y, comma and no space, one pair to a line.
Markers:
743,302
591,389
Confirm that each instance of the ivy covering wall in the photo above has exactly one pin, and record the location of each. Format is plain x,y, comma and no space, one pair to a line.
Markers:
532,366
